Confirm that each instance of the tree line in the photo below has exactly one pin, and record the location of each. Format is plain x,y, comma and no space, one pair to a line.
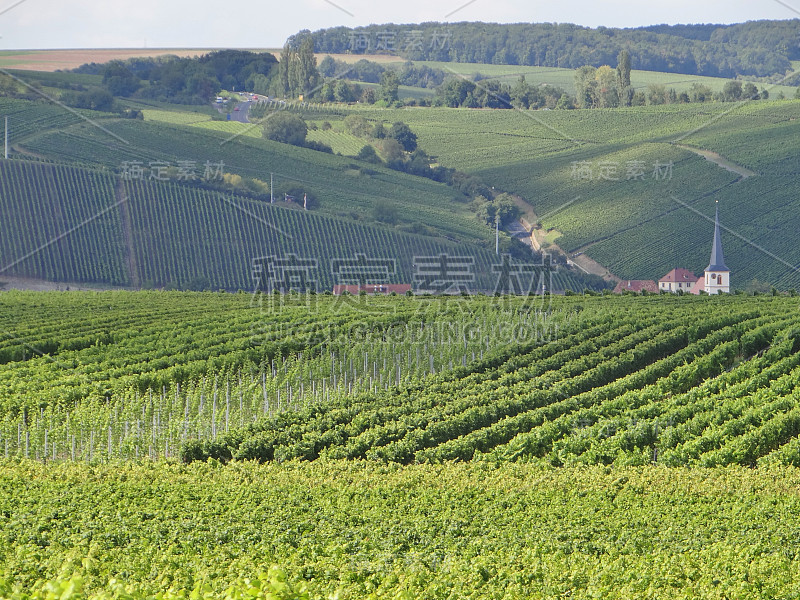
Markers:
756,49
606,87
184,80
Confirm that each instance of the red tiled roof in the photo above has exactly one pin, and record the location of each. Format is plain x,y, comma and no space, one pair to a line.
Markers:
382,288
679,275
636,285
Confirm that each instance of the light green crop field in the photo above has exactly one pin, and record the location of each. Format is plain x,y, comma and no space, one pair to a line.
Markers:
339,141
174,117
231,127
565,78
168,446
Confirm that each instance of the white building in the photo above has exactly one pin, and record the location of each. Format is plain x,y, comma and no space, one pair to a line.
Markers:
717,275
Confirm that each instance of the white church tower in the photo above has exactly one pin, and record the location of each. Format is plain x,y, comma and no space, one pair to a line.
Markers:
718,276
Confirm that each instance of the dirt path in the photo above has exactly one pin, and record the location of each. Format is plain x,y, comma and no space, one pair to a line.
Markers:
23,151
127,234
721,161
527,223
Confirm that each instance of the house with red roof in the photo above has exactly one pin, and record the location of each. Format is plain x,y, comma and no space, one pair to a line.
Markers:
677,280
637,286
372,289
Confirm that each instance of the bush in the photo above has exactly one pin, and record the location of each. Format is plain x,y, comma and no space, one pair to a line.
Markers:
403,134
299,194
318,146
368,154
287,128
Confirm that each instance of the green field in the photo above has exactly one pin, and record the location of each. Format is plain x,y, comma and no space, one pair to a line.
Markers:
643,226
638,222
147,233
413,447
364,530
623,381
166,445
342,186
565,78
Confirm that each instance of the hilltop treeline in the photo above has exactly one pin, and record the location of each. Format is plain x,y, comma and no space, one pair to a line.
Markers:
184,80
756,49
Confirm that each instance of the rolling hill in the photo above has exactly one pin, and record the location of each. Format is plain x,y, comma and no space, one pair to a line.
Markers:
75,216
593,176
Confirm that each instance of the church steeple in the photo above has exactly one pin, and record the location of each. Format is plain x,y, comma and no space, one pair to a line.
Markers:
717,275
717,259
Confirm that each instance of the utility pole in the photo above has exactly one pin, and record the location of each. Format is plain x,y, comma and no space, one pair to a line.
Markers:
497,234
271,197
6,154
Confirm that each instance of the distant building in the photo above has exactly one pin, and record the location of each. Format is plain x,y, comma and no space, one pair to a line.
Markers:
677,280
699,286
636,285
372,289
717,278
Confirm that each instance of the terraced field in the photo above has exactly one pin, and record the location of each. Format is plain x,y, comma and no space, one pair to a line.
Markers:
78,225
342,186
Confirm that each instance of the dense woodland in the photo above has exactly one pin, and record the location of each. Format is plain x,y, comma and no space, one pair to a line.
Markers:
184,80
759,49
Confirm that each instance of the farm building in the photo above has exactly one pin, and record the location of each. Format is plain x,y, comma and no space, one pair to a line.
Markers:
677,280
380,289
636,285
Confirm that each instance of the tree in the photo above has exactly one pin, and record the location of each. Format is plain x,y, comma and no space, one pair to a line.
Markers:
732,91
368,154
385,213
327,67
700,93
286,128
368,96
298,73
392,151
403,134
343,92
453,92
357,125
308,73
119,80
379,131
657,94
390,87
520,93
623,71
283,69
586,86
750,92
565,103
502,206
607,94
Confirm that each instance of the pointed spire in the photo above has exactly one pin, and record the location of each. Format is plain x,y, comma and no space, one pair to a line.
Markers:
717,259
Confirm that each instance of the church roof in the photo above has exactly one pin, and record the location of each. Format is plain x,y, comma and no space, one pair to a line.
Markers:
717,259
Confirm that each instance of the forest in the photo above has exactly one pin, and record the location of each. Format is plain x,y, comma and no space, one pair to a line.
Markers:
756,49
